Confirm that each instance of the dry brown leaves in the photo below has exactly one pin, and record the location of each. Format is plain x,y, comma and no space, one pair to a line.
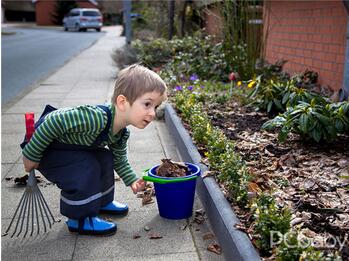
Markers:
147,195
215,248
308,178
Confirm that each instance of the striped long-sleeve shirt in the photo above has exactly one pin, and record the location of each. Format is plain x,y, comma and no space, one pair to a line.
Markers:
81,125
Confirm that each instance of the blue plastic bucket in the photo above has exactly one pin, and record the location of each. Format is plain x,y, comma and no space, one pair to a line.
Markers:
176,200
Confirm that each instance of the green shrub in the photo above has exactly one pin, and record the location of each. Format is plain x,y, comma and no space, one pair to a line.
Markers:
198,54
317,120
289,250
269,217
154,53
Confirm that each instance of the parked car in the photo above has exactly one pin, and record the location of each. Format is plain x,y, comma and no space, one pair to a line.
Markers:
81,19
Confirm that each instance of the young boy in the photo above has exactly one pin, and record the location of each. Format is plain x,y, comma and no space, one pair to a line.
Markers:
68,148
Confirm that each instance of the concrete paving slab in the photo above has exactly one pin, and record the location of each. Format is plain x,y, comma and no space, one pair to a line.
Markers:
55,245
75,102
10,150
174,239
13,123
141,160
37,108
11,194
14,171
52,88
164,135
192,256
5,169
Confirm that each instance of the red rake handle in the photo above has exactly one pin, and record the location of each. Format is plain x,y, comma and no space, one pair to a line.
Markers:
29,125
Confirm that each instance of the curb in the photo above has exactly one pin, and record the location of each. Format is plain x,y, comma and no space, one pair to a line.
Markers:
235,244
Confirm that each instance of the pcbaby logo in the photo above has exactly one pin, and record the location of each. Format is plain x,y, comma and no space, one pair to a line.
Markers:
303,241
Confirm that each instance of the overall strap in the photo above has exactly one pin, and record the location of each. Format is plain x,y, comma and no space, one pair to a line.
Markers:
103,136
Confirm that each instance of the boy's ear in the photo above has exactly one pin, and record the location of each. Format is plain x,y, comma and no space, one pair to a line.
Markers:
121,102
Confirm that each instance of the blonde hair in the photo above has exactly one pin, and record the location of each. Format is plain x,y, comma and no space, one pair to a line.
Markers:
136,80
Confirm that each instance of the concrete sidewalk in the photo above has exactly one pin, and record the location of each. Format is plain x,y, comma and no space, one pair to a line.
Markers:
88,79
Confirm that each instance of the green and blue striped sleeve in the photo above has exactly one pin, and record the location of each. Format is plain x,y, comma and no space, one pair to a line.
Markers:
121,163
79,125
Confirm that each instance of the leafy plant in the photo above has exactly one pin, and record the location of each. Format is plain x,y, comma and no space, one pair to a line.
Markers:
269,217
292,95
154,53
316,120
198,54
268,95
242,38
340,114
315,255
289,250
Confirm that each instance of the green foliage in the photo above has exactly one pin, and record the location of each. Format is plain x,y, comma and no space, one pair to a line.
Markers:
242,39
269,95
276,96
148,20
200,124
317,120
197,54
220,151
62,8
315,255
289,250
269,217
154,53
155,18
292,95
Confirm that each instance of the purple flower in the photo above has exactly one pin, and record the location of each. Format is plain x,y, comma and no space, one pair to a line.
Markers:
190,88
194,77
178,88
202,87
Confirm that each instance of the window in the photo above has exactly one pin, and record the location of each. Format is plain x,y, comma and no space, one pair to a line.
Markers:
90,13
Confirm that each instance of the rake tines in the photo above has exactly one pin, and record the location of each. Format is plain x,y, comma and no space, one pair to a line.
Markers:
32,211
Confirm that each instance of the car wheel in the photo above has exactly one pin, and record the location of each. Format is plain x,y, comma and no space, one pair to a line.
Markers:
65,27
98,29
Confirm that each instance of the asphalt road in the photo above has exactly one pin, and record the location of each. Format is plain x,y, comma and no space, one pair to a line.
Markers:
32,54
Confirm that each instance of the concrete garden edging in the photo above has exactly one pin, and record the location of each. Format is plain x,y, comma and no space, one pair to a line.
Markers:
235,244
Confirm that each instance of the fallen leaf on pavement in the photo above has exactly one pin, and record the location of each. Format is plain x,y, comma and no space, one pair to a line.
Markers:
215,248
154,235
208,236
147,199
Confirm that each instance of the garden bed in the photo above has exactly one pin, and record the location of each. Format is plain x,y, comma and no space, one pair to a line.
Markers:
306,177
235,244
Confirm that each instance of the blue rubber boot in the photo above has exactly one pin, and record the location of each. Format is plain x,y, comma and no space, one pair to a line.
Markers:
115,208
91,226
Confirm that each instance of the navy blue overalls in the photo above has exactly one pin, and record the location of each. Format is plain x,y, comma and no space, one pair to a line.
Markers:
84,174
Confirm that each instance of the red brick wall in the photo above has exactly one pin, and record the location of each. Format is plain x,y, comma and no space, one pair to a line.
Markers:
45,8
44,11
310,35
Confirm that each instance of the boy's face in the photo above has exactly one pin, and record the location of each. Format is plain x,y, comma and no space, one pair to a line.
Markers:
142,111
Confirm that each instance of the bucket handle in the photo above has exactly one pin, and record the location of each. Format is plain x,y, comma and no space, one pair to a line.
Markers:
165,181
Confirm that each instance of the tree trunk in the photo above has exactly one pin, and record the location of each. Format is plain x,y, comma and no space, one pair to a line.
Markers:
183,16
171,11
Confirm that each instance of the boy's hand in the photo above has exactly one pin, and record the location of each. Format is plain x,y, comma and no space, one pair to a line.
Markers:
29,165
138,185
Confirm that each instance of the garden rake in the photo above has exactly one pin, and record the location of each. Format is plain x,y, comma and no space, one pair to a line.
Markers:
32,212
